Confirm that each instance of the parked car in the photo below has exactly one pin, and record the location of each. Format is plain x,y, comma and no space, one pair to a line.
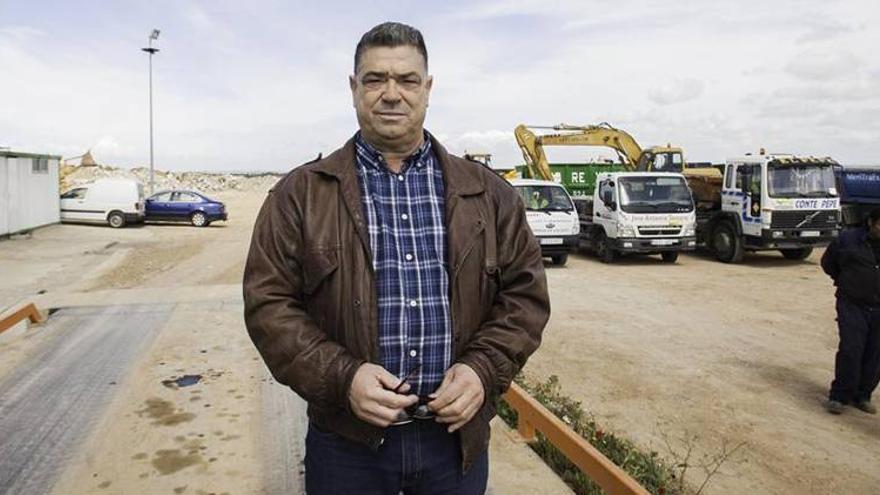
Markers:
116,202
184,206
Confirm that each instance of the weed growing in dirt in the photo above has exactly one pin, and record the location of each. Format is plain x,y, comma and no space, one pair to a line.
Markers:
681,449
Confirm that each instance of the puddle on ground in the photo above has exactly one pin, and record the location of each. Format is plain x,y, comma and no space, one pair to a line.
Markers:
164,413
183,381
169,461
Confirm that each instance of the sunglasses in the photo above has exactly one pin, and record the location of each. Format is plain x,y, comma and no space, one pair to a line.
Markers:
420,409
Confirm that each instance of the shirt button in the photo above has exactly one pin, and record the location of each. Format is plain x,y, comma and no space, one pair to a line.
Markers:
413,303
408,257
413,353
404,216
400,178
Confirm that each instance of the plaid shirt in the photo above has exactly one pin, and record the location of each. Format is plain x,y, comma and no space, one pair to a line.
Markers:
406,222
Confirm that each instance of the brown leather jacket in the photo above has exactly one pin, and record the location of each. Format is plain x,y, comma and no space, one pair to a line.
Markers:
310,300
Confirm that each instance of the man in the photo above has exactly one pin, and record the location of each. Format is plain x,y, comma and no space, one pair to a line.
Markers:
397,289
853,261
538,201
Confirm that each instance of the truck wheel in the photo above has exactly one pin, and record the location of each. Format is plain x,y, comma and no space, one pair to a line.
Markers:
669,256
199,219
797,254
726,245
602,247
116,219
560,259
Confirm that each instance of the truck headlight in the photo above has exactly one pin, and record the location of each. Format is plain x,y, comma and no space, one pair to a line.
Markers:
689,231
626,231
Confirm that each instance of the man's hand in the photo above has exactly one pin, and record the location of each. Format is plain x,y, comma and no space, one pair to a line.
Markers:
371,396
459,397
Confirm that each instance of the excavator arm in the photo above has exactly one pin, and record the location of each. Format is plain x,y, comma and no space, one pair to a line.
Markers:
532,146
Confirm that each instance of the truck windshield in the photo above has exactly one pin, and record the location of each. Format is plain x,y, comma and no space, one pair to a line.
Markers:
655,195
801,181
545,198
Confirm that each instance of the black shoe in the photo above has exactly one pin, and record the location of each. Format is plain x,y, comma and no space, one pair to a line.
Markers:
834,407
866,406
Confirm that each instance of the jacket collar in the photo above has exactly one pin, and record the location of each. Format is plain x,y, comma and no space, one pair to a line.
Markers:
462,177
369,156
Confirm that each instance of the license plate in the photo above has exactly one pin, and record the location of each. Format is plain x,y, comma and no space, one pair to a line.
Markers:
810,233
551,240
663,242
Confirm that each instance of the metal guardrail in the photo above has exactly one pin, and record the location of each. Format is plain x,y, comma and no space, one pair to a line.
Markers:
29,311
535,417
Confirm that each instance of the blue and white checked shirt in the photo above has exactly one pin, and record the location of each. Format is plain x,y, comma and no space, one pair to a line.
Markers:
406,221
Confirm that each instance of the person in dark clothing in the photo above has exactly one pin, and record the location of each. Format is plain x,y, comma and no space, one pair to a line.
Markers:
853,262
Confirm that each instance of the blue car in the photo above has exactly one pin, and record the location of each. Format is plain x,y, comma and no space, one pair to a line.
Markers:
184,206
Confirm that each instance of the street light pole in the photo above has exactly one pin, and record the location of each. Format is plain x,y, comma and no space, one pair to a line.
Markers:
154,35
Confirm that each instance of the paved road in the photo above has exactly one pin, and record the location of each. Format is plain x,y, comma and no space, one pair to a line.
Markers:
51,403
284,430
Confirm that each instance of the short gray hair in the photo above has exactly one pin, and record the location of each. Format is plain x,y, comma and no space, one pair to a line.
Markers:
390,34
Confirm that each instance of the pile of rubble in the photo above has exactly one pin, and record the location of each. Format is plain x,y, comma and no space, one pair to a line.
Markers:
205,182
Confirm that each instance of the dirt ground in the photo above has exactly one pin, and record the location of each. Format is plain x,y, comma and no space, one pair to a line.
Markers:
722,355
710,356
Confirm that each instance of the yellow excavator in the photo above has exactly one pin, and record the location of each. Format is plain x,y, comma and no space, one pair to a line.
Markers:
632,156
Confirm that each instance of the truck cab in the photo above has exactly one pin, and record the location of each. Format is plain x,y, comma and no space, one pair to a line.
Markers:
639,212
773,202
551,216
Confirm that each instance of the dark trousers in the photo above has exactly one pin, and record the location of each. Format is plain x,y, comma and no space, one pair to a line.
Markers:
857,366
416,458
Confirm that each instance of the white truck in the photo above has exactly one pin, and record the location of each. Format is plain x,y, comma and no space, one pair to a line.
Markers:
767,202
551,216
638,212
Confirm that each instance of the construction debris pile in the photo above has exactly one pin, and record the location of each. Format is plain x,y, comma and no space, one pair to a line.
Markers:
206,182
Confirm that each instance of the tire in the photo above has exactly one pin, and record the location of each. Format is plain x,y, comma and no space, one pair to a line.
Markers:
602,247
199,219
116,219
726,244
560,259
669,256
797,254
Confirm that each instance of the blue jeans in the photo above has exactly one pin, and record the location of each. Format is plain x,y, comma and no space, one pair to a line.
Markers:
857,364
415,459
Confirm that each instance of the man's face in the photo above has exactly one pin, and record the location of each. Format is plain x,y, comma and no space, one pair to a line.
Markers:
390,93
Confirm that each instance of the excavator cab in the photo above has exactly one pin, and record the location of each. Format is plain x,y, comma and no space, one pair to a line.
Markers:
661,159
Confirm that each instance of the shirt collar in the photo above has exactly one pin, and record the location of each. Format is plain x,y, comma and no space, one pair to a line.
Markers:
374,157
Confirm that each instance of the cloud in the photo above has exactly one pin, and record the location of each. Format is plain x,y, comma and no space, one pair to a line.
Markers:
677,91
823,65
824,30
20,33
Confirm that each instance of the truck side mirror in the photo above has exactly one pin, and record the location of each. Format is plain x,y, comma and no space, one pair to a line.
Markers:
607,197
612,206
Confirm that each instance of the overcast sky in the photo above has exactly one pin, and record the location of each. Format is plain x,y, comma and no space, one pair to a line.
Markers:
262,85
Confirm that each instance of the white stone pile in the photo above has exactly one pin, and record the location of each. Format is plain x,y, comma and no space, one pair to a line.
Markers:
205,182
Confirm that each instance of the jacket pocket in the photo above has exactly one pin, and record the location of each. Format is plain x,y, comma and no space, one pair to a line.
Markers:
317,266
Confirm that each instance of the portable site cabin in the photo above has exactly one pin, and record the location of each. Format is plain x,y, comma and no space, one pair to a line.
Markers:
28,191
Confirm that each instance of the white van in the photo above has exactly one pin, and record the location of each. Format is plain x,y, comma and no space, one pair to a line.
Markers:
551,216
116,202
